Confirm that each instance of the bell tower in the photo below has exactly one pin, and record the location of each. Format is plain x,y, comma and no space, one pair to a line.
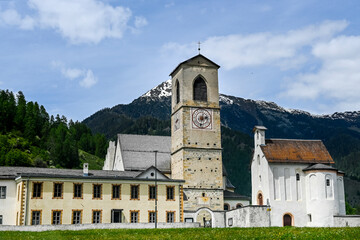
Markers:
196,134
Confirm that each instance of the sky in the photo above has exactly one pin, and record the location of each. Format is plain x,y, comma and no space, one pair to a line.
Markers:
76,57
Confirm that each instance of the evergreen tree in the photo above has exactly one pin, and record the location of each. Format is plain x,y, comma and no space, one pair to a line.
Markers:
20,112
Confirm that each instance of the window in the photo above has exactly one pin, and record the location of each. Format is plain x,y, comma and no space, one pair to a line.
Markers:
152,192
189,220
18,193
170,217
170,193
58,190
230,222
152,216
1,219
226,207
309,218
116,215
96,216
177,86
134,216
2,192
200,90
35,217
116,191
297,177
96,191
56,217
76,216
134,192
239,205
327,182
78,190
37,190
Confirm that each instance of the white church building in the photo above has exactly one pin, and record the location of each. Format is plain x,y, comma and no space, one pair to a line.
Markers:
296,179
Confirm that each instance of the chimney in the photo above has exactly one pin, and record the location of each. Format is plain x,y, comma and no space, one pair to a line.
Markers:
259,135
86,169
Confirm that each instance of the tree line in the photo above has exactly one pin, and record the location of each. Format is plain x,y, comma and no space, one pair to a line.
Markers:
30,137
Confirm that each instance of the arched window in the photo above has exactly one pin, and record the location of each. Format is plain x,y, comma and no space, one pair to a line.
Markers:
177,87
239,205
200,90
226,207
328,186
260,199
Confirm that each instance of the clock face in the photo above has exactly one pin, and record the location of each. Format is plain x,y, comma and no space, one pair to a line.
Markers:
201,118
176,121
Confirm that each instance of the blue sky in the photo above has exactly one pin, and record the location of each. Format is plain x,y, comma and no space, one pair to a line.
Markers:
76,57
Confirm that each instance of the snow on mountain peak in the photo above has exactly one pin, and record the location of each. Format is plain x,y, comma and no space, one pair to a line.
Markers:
160,91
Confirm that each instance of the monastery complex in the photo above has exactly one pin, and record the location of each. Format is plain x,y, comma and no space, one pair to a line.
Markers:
182,179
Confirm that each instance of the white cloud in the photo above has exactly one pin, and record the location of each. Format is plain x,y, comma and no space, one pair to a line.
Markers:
85,77
234,51
12,17
140,22
89,80
338,78
80,21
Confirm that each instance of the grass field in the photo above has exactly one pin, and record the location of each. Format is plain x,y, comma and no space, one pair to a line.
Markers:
192,233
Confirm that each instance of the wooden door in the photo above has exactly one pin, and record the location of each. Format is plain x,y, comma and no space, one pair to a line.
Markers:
287,220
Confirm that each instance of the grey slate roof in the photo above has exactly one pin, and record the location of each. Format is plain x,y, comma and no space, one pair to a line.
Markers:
233,195
320,166
14,172
229,184
138,151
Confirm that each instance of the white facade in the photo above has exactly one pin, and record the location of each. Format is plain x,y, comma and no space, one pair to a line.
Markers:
8,204
311,197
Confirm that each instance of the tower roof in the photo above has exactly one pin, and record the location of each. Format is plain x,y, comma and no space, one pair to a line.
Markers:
191,60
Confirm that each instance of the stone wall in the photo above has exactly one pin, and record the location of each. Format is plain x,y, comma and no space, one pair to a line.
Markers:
347,221
41,228
249,216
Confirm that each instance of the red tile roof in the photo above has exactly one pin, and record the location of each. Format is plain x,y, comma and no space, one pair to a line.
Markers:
296,151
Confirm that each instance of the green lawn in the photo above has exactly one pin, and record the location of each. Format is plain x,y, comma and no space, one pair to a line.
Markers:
193,233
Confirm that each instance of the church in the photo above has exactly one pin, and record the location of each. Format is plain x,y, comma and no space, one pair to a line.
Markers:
182,179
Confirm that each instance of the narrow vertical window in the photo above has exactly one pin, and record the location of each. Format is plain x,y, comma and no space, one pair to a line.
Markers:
177,86
152,216
1,219
77,190
134,216
58,190
76,217
97,191
200,90
170,217
2,192
134,192
328,187
37,190
96,217
298,187
276,184
36,218
116,190
170,193
56,217
152,192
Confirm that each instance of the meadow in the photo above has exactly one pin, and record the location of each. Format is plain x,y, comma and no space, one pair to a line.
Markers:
192,233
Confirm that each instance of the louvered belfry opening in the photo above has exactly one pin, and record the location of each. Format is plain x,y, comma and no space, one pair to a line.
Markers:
200,90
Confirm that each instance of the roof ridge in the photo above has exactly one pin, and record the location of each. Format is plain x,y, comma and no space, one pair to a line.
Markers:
287,139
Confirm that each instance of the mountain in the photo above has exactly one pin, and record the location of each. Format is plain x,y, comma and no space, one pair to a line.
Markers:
340,132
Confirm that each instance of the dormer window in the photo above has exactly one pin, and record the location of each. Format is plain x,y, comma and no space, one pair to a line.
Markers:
200,90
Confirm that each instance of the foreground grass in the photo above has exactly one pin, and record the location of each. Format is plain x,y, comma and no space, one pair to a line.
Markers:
192,233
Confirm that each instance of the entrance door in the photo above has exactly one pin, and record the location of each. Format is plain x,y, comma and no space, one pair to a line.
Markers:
204,218
287,220
116,215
